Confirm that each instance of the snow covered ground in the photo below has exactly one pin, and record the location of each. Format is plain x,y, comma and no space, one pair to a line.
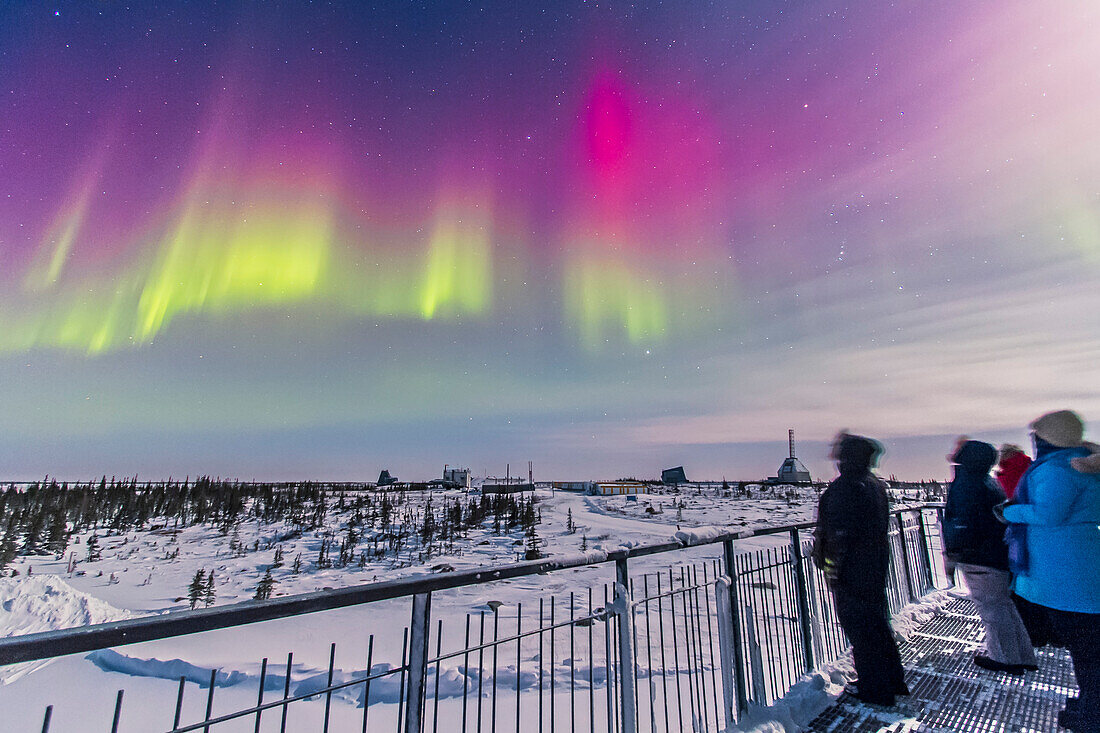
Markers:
147,572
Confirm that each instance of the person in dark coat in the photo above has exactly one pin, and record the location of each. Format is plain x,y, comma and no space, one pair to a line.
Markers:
974,539
852,548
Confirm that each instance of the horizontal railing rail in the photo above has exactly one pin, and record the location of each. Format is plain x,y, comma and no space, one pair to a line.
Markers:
47,644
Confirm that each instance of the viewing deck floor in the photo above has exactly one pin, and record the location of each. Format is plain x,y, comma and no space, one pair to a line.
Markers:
950,693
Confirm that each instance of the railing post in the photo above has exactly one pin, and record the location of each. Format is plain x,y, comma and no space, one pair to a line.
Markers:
729,627
418,661
626,647
905,556
803,600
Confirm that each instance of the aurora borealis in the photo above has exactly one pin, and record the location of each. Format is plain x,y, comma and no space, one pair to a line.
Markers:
311,241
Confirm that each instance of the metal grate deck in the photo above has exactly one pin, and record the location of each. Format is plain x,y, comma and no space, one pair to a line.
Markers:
951,694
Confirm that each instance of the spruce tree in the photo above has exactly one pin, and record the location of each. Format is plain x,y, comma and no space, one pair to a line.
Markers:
196,589
93,548
265,586
208,594
534,551
57,537
7,552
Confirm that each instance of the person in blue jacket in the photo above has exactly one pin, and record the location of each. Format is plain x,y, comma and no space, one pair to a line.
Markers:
974,540
1060,570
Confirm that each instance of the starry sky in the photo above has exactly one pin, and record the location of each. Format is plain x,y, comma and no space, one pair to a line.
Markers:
290,240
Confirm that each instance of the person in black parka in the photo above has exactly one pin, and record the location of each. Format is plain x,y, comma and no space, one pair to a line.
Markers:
852,548
974,539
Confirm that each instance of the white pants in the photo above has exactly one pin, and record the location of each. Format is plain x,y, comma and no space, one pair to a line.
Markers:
1006,639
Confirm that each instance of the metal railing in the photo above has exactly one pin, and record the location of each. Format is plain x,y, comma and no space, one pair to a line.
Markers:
684,636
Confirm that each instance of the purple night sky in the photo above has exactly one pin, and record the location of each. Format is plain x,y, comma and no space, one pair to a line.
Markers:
288,241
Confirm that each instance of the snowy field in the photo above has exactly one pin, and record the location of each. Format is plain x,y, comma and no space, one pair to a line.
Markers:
148,572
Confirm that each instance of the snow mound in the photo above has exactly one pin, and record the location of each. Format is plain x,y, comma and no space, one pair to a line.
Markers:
173,669
32,604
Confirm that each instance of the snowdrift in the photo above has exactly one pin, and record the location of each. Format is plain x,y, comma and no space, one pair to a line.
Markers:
37,603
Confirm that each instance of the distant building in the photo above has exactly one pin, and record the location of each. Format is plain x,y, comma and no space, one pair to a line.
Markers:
507,487
615,488
674,476
582,487
791,471
456,478
385,479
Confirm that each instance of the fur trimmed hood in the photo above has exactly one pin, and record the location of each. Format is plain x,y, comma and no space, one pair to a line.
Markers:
1089,463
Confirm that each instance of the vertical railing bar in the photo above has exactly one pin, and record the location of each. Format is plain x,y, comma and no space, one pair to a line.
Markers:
612,716
634,648
664,659
710,637
773,606
796,562
328,693
496,647
572,663
649,655
401,702
519,659
179,704
553,662
118,713
689,654
735,608
697,629
260,697
419,639
675,648
689,645
699,636
785,573
542,660
480,665
775,573
591,664
210,699
438,664
772,610
465,673
366,685
286,693
759,691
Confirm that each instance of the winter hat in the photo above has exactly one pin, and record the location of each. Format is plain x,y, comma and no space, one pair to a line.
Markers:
1062,429
976,456
857,452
